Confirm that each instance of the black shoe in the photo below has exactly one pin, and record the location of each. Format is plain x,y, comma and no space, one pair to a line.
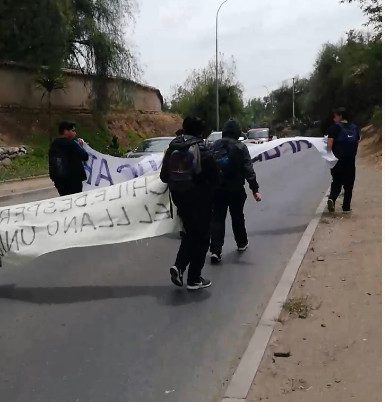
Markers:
347,211
331,205
176,276
216,258
204,283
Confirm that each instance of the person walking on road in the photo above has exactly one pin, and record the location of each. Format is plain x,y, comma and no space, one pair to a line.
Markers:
66,157
343,139
234,161
191,173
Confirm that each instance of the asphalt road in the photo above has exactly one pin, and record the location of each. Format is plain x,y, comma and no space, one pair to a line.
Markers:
104,324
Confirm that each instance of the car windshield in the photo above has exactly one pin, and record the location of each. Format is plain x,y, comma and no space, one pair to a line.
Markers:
214,136
154,145
258,134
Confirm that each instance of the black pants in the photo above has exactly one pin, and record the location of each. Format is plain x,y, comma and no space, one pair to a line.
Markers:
194,209
235,201
344,175
68,187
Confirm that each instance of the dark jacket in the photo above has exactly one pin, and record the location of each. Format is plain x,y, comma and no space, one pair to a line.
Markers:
74,154
208,179
242,168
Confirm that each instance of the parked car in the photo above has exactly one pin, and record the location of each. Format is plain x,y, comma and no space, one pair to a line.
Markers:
258,135
217,135
150,146
214,136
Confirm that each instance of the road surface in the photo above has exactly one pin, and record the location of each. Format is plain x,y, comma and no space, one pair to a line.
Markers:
104,324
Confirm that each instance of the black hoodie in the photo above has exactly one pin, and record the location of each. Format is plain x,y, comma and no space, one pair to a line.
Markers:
75,156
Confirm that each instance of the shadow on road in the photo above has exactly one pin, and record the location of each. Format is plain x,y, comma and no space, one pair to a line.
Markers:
281,231
65,295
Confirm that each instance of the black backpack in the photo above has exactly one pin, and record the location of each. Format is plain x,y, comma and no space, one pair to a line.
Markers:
184,165
224,153
346,142
58,164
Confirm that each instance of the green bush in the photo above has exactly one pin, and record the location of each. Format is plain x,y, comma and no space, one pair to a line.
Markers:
377,117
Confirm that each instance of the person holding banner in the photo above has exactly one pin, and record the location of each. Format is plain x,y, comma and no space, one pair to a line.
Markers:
192,175
66,157
234,162
343,139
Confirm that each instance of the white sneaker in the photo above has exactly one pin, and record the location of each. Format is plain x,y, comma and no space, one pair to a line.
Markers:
241,249
176,276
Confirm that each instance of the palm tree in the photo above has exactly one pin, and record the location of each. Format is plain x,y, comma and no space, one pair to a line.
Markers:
50,80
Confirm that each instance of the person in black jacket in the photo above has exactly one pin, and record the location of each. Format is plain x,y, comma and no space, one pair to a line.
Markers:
192,175
66,157
234,160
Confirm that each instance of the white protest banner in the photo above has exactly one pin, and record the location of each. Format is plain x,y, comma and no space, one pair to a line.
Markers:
105,170
283,146
133,210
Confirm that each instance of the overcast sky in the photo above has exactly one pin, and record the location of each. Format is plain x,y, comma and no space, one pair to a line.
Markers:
271,40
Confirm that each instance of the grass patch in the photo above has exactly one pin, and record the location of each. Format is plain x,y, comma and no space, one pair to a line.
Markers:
135,139
299,306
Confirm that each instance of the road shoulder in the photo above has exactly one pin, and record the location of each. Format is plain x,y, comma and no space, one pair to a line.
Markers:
337,293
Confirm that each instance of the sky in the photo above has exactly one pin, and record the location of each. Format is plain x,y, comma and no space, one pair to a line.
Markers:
271,40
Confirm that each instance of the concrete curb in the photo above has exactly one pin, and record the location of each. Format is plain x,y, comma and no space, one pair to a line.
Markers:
9,197
29,178
243,377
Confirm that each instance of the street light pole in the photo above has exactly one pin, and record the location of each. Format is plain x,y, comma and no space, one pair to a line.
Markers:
270,94
293,102
216,63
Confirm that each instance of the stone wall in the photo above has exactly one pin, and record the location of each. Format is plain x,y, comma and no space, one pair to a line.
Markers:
19,89
9,153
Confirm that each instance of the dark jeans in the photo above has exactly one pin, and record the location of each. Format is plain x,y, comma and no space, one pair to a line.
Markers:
194,209
69,187
235,201
344,175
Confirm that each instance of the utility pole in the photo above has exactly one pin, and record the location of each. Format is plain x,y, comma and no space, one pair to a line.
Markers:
216,63
293,102
270,95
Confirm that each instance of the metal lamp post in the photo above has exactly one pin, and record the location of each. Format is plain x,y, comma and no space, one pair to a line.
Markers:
216,64
270,94
293,100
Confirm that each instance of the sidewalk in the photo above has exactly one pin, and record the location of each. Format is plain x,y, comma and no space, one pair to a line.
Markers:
335,347
22,185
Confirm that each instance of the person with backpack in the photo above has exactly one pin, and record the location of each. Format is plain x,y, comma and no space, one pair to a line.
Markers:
192,175
66,157
343,139
234,161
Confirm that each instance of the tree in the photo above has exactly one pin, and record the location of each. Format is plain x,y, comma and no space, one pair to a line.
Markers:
86,34
283,100
254,113
50,80
347,74
373,10
197,95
